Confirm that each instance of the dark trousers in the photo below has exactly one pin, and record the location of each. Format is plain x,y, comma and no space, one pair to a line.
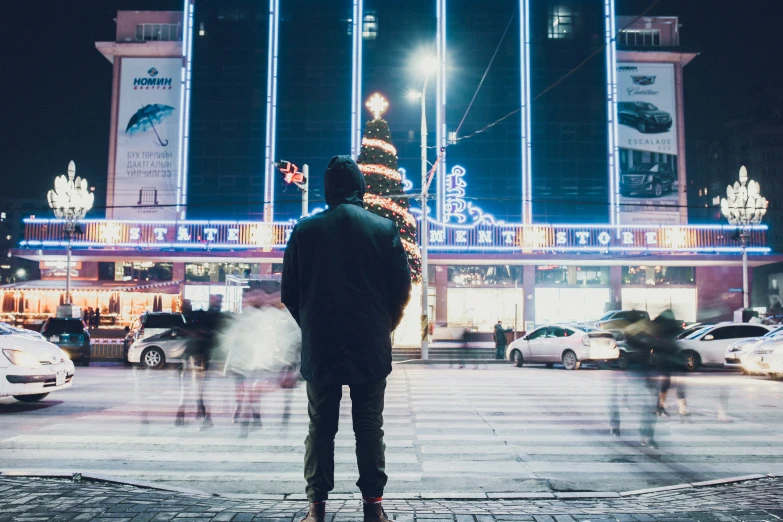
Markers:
500,351
323,406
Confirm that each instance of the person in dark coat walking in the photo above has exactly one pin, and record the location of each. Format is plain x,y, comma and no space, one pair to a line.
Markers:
346,282
499,335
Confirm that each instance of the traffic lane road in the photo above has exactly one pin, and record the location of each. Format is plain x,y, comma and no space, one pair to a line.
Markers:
100,387
494,430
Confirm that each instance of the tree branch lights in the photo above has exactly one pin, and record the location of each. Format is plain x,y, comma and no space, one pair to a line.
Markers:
383,171
378,162
379,144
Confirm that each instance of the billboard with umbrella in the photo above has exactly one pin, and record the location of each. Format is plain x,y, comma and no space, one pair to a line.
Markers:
147,139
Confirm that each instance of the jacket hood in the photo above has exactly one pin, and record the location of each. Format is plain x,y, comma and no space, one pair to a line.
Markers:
344,182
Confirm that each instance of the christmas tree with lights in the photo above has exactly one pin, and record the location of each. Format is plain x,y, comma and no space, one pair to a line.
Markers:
385,194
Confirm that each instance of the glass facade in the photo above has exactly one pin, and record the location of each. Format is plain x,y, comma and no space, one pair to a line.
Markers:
570,165
658,275
468,276
228,109
572,275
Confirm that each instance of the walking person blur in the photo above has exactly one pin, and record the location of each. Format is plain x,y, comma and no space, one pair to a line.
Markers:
97,317
346,282
90,317
668,361
499,336
203,333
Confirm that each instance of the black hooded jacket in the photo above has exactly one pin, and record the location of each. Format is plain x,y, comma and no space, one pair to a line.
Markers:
346,281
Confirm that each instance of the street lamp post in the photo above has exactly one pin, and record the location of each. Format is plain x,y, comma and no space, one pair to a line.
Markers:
744,206
427,65
70,200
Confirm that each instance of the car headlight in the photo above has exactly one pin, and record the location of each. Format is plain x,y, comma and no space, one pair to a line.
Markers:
735,349
20,358
649,178
66,357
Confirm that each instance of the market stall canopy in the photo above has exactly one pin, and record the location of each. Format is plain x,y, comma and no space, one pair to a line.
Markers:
158,287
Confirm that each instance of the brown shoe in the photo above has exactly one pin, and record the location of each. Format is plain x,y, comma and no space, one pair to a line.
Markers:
375,513
317,513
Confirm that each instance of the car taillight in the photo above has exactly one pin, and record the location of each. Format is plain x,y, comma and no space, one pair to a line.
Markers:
586,340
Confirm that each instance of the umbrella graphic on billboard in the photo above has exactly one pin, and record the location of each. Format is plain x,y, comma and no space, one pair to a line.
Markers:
146,118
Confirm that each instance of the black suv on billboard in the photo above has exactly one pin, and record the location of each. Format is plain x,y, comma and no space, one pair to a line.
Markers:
647,179
644,116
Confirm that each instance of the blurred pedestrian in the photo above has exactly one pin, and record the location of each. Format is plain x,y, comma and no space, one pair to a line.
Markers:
262,344
202,332
90,317
346,282
668,361
499,336
97,317
641,337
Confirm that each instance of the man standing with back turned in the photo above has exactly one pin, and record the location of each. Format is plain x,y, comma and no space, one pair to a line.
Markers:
346,281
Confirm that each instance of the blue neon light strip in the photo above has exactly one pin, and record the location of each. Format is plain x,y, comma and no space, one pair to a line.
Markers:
271,110
433,222
611,109
184,103
440,110
526,147
356,78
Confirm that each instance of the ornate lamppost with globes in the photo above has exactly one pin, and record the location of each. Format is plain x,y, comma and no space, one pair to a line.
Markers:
744,206
70,200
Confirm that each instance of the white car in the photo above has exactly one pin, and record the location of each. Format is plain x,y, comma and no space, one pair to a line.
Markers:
31,368
21,331
707,347
766,358
738,350
569,345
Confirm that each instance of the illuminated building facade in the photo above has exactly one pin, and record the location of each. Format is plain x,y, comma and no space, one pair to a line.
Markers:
572,205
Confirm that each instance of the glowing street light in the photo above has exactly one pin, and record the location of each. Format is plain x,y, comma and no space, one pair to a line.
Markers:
71,200
427,64
744,206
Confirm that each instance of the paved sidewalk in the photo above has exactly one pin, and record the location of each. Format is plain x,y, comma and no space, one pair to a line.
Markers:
25,499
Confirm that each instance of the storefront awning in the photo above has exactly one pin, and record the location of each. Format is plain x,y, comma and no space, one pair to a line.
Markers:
157,287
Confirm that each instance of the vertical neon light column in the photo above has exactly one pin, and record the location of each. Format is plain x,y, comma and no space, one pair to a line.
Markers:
526,148
356,78
184,104
271,111
440,111
611,108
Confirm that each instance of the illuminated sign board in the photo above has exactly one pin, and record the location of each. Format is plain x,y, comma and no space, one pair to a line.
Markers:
482,238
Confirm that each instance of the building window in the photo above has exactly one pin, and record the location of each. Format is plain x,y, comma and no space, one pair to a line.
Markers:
157,32
640,38
572,275
562,21
658,275
370,26
467,276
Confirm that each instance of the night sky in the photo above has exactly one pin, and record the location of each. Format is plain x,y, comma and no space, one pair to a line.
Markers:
57,86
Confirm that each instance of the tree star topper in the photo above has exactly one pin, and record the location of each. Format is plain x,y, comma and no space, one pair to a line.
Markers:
377,105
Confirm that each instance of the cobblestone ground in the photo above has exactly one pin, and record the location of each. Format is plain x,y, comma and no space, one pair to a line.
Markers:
31,500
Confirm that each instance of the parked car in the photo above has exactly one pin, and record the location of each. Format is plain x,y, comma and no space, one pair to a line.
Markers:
31,368
707,347
738,350
619,319
647,179
157,350
766,358
644,116
150,324
70,334
7,328
629,356
691,330
561,343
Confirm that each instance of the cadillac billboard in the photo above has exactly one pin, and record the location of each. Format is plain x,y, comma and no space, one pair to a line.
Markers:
147,153
647,139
